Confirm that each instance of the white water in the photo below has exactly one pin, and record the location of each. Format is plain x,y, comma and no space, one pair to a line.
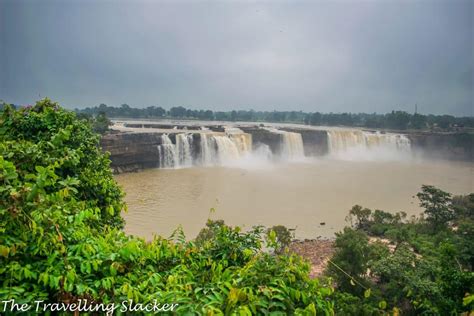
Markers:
175,155
208,149
234,148
183,150
167,152
362,145
227,149
223,149
241,139
216,149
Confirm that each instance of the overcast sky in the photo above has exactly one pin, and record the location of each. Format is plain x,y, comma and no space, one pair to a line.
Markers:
327,56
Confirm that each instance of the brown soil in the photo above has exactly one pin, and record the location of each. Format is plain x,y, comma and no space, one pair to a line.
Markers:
316,251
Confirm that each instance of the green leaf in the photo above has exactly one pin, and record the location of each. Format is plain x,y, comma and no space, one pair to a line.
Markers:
4,251
367,293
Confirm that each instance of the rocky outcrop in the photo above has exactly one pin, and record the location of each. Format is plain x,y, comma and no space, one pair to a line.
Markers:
263,136
315,142
132,151
453,146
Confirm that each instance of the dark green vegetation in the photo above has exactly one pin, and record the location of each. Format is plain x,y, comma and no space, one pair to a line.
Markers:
418,265
99,122
61,240
61,237
396,120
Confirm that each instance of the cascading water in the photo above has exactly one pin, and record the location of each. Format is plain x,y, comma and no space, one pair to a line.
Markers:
175,155
291,145
227,149
223,148
167,152
183,150
361,145
208,149
241,139
216,148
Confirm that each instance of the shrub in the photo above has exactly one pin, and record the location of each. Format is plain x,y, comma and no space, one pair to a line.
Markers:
280,238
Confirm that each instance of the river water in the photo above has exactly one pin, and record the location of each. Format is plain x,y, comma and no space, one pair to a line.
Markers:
299,195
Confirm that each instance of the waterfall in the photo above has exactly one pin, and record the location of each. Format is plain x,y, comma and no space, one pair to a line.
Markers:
233,147
167,152
175,155
227,149
355,144
291,144
183,150
208,149
219,148
241,139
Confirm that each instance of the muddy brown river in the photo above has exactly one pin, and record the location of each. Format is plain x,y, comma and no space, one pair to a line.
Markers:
299,195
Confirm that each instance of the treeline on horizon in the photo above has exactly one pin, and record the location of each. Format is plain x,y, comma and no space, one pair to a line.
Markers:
395,120
398,120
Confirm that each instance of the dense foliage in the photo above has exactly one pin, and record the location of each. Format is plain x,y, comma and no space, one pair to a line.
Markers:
61,237
418,266
396,120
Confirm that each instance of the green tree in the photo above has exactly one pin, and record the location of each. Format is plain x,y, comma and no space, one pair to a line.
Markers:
349,264
437,204
178,111
397,120
280,237
360,215
101,123
418,121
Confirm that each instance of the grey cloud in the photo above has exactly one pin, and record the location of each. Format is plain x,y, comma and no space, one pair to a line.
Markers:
357,56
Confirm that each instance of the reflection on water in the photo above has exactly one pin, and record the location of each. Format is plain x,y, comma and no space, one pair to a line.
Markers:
300,195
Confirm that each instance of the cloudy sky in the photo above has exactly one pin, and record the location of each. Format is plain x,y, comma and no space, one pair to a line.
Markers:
328,56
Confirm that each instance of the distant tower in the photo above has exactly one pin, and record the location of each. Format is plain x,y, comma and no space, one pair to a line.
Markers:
416,108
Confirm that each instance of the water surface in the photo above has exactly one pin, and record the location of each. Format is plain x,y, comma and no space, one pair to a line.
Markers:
298,195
